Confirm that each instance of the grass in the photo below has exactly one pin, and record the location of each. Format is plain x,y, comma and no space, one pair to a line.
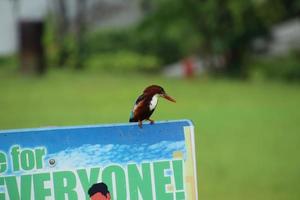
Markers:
247,134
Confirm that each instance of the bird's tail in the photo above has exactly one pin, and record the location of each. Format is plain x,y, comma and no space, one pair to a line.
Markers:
132,120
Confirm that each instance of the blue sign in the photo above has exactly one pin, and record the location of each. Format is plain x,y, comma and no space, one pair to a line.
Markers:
153,162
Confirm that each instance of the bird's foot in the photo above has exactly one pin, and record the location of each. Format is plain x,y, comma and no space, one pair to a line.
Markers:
151,121
140,124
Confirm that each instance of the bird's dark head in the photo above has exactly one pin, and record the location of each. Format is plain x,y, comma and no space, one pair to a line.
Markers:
153,90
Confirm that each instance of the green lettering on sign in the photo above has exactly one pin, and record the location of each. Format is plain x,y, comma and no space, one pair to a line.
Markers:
27,159
161,180
114,177
13,189
15,158
3,162
64,185
2,195
178,178
40,192
140,181
39,154
86,181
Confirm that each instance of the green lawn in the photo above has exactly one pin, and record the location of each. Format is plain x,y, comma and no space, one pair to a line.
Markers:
247,134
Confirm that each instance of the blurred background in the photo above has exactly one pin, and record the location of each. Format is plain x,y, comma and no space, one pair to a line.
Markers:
233,66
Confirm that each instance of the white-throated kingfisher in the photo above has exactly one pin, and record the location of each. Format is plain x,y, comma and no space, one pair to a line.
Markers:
146,104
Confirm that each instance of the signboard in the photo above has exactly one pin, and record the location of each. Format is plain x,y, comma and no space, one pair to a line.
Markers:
156,162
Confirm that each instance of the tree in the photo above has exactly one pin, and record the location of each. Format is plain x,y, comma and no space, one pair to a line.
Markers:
80,32
62,32
210,27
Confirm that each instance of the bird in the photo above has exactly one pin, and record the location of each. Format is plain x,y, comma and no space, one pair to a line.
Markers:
146,103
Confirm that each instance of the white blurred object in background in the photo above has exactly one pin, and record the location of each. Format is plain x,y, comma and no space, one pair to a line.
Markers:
11,12
8,30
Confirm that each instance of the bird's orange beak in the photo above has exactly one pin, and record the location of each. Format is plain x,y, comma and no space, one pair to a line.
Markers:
168,98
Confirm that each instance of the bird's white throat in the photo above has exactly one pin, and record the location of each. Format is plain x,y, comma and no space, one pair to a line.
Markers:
154,101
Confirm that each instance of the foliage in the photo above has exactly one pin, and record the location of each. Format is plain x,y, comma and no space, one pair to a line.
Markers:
6,61
54,46
217,27
282,67
117,50
111,40
122,62
172,30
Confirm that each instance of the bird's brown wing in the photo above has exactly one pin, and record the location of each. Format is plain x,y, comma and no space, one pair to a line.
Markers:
139,99
142,110
135,114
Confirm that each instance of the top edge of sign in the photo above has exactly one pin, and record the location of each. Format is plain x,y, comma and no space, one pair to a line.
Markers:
186,122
